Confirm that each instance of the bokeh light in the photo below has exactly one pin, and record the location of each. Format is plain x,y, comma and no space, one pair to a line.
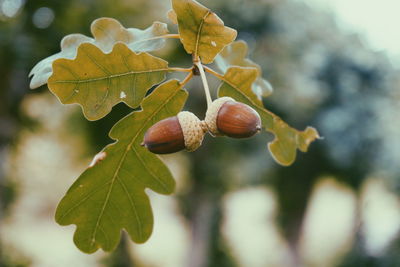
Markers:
43,17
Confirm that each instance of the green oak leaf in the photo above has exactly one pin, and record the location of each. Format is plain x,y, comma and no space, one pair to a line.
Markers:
235,55
237,83
106,32
98,81
110,196
202,32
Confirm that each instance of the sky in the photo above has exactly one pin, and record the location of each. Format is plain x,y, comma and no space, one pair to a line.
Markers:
377,20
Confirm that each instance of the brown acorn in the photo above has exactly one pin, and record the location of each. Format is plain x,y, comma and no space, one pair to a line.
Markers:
227,117
184,131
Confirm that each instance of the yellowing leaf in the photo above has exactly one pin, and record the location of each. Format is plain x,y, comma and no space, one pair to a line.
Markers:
235,55
43,70
110,195
171,15
98,81
237,83
201,31
106,32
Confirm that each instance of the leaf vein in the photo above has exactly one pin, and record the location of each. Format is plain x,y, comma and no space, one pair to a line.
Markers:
133,206
199,32
108,195
163,185
112,76
102,68
83,200
115,176
74,92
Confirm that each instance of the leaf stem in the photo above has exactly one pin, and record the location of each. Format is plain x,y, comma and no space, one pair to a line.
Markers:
171,36
181,69
165,36
187,79
213,72
205,84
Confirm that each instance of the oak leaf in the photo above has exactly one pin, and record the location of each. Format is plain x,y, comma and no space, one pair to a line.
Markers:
106,33
98,81
109,195
237,83
202,32
235,54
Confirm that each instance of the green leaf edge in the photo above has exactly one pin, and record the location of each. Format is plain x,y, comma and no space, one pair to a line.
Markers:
80,49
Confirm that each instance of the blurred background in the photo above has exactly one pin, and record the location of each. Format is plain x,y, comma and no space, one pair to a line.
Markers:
333,65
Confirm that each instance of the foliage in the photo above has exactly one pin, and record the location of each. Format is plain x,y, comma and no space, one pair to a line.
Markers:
237,84
235,55
116,67
99,81
111,193
106,33
202,33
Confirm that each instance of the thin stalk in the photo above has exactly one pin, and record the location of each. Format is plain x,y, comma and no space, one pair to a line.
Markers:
213,72
205,83
166,36
171,36
181,69
187,79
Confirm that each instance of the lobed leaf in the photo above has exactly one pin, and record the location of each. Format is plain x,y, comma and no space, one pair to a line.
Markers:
110,195
237,83
202,32
235,55
42,71
106,33
98,81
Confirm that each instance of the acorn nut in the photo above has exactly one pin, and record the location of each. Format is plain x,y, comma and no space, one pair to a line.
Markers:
184,131
228,117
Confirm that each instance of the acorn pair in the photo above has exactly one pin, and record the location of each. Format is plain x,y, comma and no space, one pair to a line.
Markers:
225,116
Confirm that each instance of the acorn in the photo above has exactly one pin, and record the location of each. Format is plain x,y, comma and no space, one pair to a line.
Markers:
228,117
184,131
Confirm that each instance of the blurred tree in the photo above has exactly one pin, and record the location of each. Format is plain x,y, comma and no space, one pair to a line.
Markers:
29,35
321,78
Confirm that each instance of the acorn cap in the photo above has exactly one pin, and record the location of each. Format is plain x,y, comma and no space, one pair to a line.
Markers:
212,114
193,130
